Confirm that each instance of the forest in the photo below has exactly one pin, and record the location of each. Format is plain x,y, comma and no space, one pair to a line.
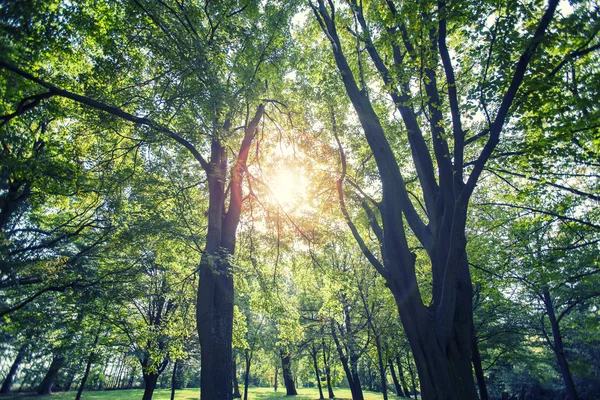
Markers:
310,199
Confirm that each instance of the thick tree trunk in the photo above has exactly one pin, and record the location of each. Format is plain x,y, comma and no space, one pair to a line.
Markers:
288,379
476,358
214,303
88,367
236,386
442,358
559,349
45,387
247,374
150,384
399,391
317,375
8,381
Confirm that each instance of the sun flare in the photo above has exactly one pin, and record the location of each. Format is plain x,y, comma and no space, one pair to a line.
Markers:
287,186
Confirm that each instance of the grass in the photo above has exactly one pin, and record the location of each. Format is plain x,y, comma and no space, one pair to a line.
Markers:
194,394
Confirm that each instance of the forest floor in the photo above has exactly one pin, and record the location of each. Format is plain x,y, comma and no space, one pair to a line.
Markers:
192,394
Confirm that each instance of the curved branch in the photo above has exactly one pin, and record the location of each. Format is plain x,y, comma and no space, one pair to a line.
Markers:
56,91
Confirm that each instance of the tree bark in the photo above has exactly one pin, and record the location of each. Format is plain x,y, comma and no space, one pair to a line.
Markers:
313,354
214,304
276,376
399,391
8,381
288,379
150,381
150,384
45,388
559,349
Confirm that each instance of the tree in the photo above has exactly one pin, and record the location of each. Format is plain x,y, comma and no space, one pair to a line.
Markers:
416,42
225,48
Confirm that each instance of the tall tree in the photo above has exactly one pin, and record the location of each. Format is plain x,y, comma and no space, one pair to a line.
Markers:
408,47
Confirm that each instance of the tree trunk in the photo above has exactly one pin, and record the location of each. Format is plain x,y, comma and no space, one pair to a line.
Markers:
247,373
349,368
476,358
288,379
174,379
327,368
214,302
382,368
401,375
88,367
45,388
356,387
399,391
150,384
236,386
316,367
276,376
559,349
8,381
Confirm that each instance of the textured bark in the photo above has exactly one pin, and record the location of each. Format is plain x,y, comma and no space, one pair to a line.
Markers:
8,381
45,387
150,384
288,379
214,307
559,349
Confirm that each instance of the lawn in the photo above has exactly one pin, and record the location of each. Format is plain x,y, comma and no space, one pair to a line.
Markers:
193,394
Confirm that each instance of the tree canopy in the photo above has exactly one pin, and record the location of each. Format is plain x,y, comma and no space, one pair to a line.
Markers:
389,196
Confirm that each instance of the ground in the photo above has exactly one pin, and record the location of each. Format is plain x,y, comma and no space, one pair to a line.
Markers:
192,394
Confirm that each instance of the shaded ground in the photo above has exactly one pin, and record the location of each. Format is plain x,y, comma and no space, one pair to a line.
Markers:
193,394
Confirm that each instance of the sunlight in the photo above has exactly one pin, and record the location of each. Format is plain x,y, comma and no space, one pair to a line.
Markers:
288,186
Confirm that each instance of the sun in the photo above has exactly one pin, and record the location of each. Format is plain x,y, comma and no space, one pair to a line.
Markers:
288,186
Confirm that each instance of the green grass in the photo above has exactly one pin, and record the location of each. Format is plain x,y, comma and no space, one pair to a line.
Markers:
194,394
